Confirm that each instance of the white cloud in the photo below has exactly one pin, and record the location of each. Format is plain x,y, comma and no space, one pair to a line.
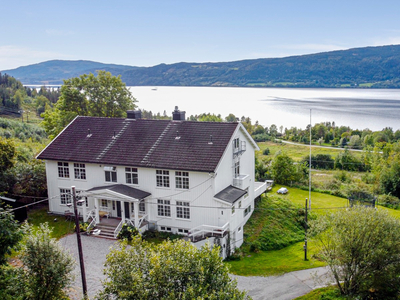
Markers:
13,56
394,40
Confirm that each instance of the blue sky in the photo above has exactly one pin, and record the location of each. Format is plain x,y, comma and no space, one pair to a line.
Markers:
147,33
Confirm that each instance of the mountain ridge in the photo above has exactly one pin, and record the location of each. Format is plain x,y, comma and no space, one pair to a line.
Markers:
366,67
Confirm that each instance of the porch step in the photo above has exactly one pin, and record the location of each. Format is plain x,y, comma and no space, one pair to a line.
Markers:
106,231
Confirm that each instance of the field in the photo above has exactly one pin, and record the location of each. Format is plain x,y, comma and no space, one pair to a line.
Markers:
297,152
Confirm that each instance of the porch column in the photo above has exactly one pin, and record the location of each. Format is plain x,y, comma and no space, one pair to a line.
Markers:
84,212
136,210
97,209
122,211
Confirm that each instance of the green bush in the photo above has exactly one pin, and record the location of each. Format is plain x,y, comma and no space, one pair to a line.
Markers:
127,232
266,151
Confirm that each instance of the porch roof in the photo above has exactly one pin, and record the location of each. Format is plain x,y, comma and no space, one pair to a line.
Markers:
230,194
119,190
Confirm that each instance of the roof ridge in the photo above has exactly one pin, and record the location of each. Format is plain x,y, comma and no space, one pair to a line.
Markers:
145,160
114,139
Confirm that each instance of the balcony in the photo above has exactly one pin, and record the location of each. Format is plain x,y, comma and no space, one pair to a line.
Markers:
241,181
238,148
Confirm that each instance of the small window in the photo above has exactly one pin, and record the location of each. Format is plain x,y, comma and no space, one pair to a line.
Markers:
110,174
233,209
63,169
131,175
162,178
182,210
104,203
237,168
240,204
182,180
239,229
65,196
113,205
79,171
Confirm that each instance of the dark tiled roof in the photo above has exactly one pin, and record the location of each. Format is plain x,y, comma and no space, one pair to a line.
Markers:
123,190
142,143
230,194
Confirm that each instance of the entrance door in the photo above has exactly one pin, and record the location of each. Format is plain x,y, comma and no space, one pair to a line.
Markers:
127,212
119,209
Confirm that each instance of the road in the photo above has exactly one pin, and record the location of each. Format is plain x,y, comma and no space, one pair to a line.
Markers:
284,287
317,146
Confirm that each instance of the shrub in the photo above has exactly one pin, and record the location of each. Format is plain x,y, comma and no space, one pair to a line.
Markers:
266,151
127,232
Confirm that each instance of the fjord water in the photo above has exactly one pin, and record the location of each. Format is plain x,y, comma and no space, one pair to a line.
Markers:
357,108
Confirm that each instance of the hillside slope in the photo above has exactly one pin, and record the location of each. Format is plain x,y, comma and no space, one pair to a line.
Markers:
376,67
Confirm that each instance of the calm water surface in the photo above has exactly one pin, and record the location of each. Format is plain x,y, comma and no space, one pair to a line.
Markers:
357,108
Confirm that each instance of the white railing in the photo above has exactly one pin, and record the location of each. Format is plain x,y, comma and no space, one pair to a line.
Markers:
208,229
141,219
118,229
91,214
91,225
241,181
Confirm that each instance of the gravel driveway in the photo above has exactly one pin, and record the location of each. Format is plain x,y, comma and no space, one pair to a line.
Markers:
284,287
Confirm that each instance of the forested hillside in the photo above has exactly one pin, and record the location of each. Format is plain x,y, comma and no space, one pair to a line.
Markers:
369,67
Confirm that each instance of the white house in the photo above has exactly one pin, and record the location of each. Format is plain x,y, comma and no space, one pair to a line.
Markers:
192,178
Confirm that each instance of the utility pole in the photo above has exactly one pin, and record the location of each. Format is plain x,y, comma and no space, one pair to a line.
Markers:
309,175
78,237
305,233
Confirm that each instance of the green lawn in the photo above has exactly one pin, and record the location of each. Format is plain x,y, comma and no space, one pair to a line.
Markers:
60,227
266,263
320,203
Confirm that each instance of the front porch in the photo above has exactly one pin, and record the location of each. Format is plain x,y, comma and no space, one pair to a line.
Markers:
112,206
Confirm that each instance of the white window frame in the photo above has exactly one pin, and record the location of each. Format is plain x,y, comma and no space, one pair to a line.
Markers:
162,178
183,210
233,209
110,171
163,208
80,171
237,168
65,196
63,169
182,180
131,175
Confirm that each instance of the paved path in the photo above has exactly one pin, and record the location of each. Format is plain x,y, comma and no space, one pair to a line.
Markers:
284,287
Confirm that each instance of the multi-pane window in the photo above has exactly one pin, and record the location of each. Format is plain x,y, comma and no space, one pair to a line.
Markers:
247,210
142,207
237,168
164,208
79,171
182,210
65,196
236,143
162,178
111,174
104,203
182,180
131,175
233,209
63,169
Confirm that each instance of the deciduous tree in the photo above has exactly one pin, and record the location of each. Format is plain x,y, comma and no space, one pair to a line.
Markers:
103,95
362,249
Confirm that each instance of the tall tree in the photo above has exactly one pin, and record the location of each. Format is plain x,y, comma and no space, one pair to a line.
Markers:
103,95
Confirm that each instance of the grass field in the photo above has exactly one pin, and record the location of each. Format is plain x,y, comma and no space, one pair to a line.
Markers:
297,152
266,263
